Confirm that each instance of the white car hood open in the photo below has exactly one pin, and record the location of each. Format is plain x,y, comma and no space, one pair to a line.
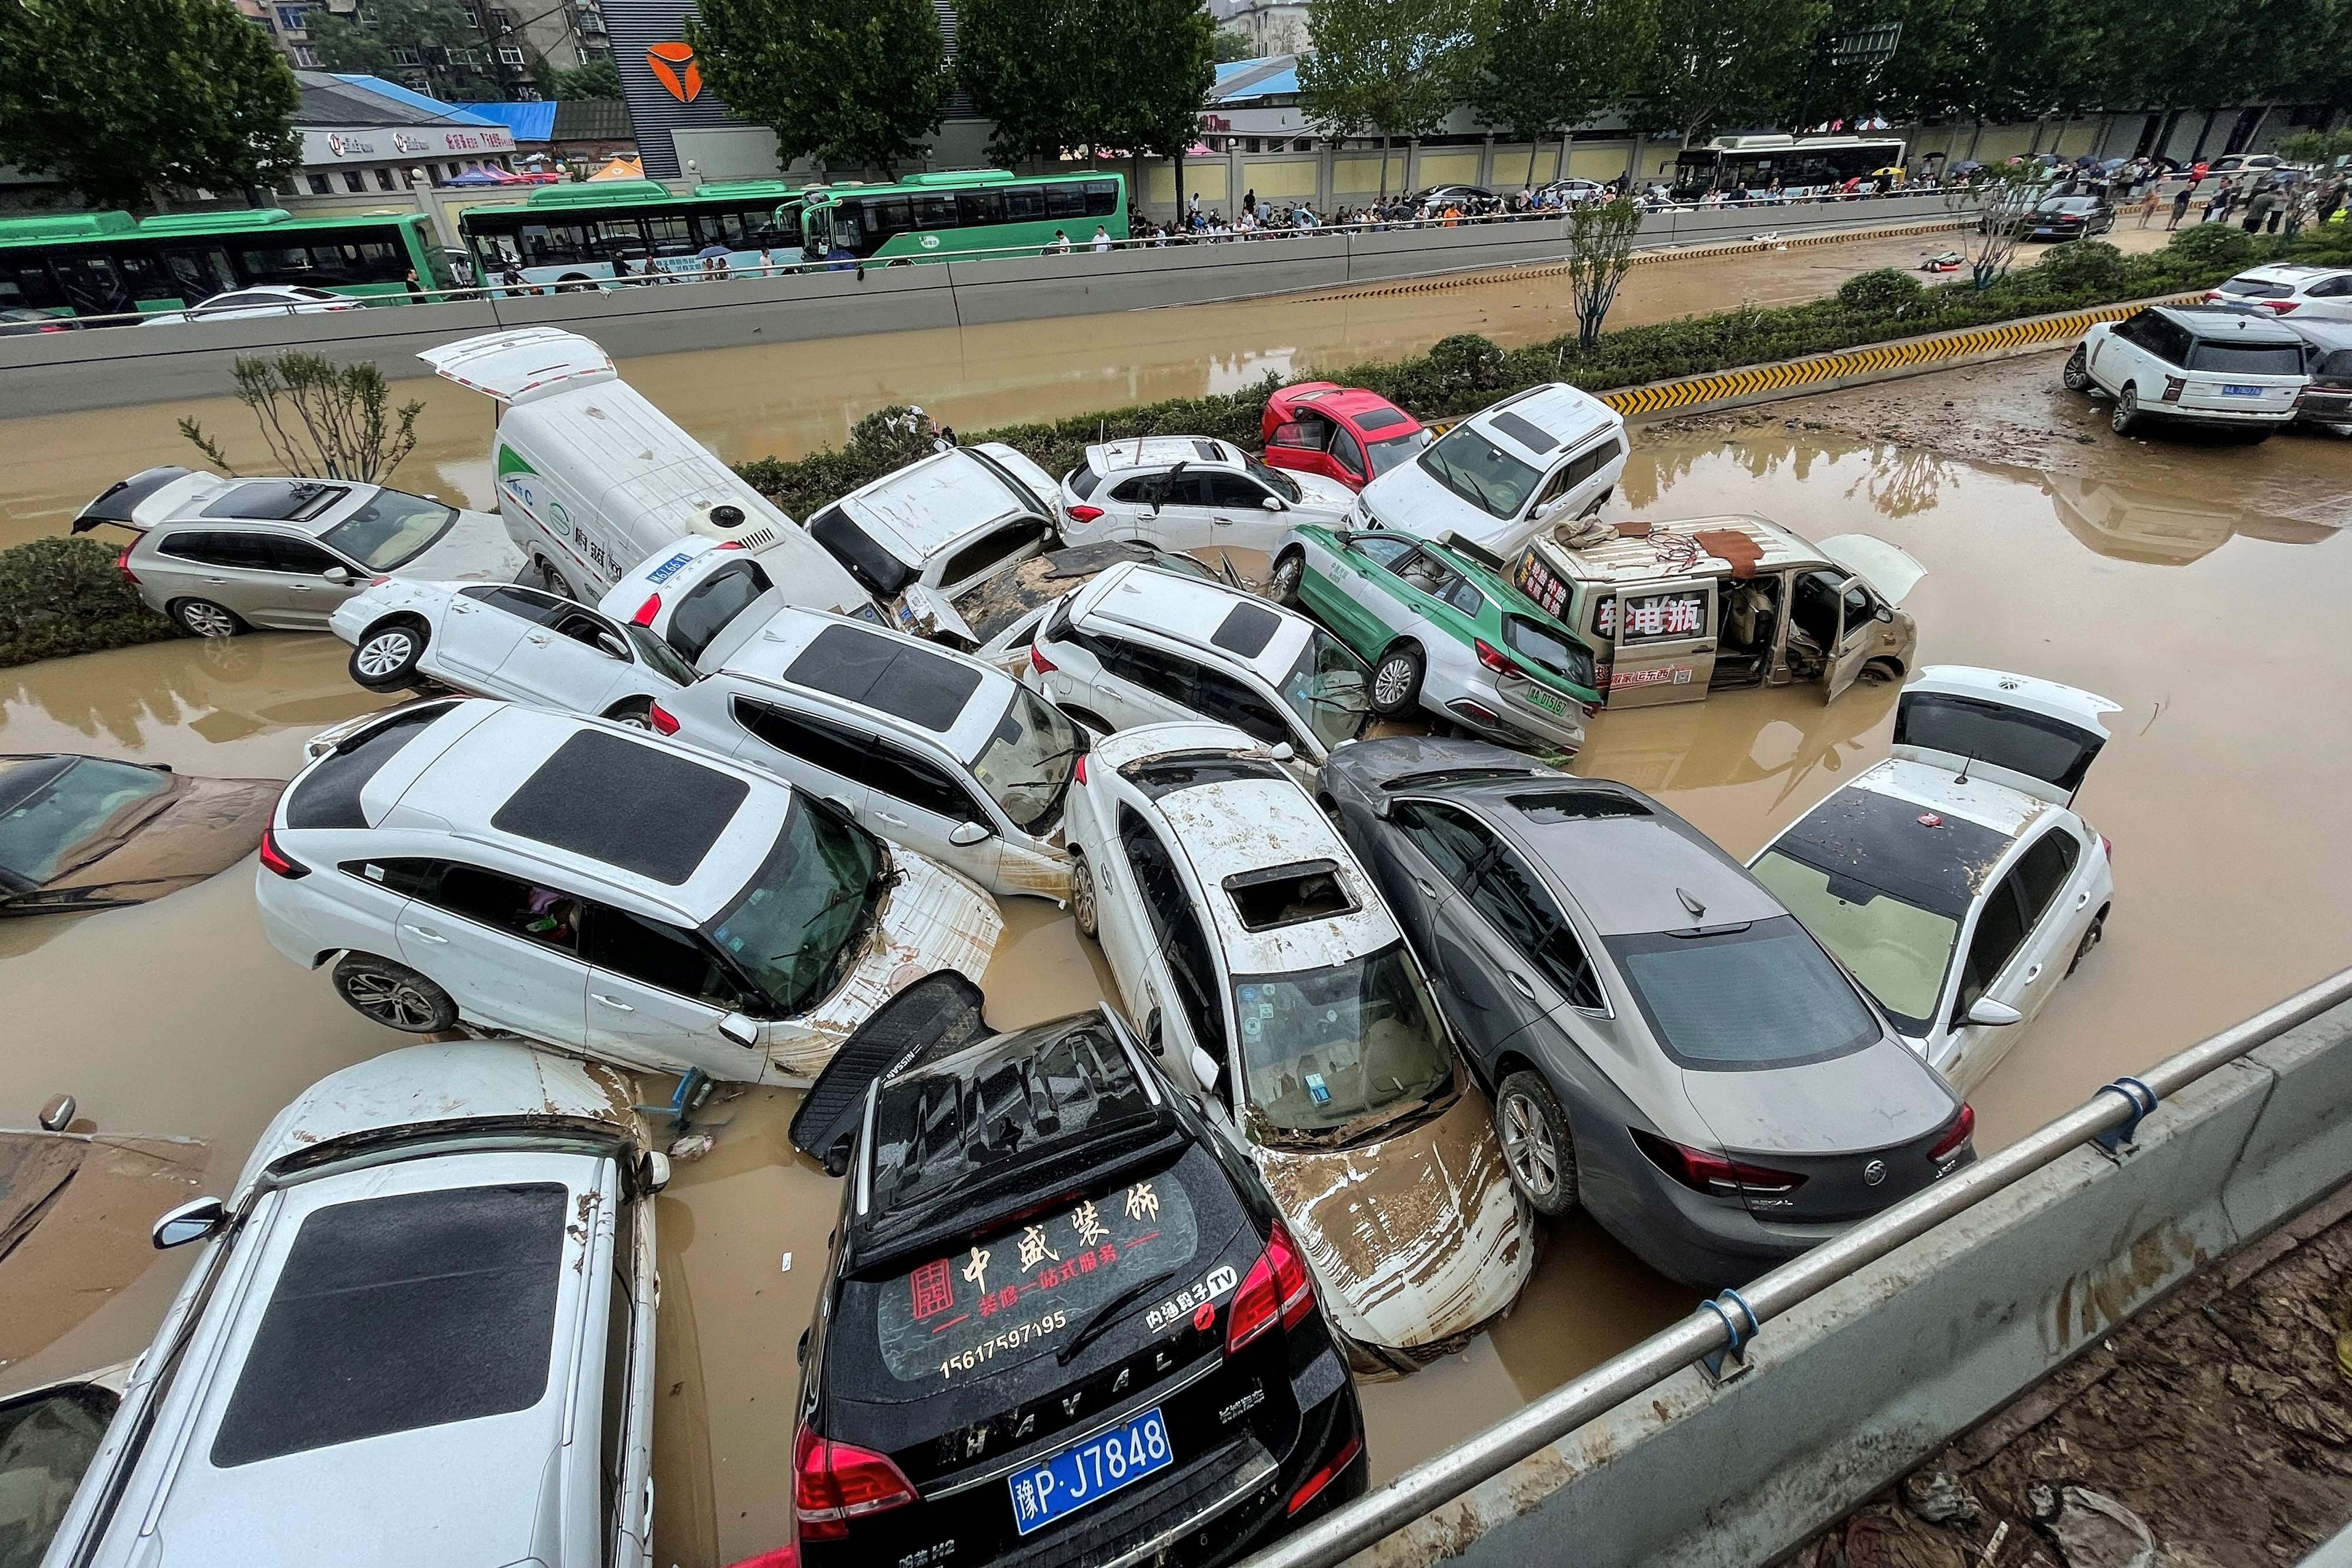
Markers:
1891,570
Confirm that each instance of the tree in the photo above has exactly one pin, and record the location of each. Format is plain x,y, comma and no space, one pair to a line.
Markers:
447,48
856,82
2001,200
1396,67
1162,55
1233,44
319,420
1546,65
124,98
1599,249
592,80
1029,69
1721,64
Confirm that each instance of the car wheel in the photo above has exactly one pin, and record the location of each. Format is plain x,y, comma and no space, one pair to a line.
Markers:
2077,374
203,618
2126,417
1288,573
395,995
387,653
1082,898
554,582
1396,682
2091,939
637,713
1536,1143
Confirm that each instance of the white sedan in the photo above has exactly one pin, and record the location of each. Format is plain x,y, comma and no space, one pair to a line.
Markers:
1191,492
249,304
1954,881
524,644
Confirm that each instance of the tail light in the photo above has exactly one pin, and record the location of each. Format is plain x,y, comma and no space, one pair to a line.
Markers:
647,611
2282,307
833,1483
729,544
122,565
277,861
1084,514
1957,1135
1079,768
1038,662
2107,847
1494,659
1702,1170
1313,1486
1277,1289
2173,387
661,718
54,327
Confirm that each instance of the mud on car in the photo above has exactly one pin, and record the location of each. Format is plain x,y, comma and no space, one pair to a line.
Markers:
1060,1323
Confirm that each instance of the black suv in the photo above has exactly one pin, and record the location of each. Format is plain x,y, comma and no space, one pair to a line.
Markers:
1051,1283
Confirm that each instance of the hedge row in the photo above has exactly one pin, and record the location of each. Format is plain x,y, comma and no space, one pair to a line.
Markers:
60,596
1463,373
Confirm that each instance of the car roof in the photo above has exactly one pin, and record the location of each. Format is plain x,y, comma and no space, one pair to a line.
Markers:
1191,611
1906,828
2292,272
908,685
1666,550
1348,402
1163,452
666,810
1994,807
301,505
2327,334
1554,409
2216,321
918,511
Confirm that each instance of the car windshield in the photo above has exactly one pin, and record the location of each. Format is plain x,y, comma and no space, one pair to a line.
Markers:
1326,689
1387,454
1761,995
1026,765
801,912
51,805
882,573
1551,650
1275,479
2247,359
1898,950
1481,473
391,531
659,655
1324,1048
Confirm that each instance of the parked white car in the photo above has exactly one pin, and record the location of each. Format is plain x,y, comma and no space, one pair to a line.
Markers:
1508,473
421,1333
1191,492
2198,364
948,522
2289,288
1955,881
253,304
1256,959
926,747
702,596
602,891
1138,645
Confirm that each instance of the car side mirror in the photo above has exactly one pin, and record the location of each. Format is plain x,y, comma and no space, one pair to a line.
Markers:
1152,1040
1283,751
1272,504
339,575
1346,537
1205,1069
611,645
1992,1014
1882,613
963,835
653,1171
740,1028
191,1221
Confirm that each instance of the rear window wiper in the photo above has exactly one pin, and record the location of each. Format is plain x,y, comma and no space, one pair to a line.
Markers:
1092,1329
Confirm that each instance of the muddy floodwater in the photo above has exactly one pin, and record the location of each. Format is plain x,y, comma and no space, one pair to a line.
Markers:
2218,629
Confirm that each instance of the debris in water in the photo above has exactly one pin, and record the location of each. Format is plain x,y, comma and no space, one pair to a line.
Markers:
691,1147
2090,1529
1937,1498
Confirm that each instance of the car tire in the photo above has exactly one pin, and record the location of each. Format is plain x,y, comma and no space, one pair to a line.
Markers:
2124,418
1396,681
1537,1147
1084,910
554,582
1289,571
393,995
637,713
2090,938
2077,374
386,656
203,618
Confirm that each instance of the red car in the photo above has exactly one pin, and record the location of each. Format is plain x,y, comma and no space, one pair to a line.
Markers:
1342,433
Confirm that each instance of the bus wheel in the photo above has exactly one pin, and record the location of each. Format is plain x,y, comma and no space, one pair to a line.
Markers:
574,283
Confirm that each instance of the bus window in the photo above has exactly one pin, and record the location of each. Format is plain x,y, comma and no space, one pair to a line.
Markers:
619,237
1025,204
935,212
554,245
91,285
720,229
275,263
1102,198
26,285
672,236
200,272
976,209
1065,200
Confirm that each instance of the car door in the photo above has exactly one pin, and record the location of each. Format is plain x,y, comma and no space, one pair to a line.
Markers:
1992,964
1121,924
1016,540
624,1452
479,631
1858,615
1364,602
1300,443
506,949
2330,298
804,750
2115,352
234,569
1662,637
1239,518
656,994
312,581
1532,971
1442,846
1347,462
1143,685
576,661
1128,505
1185,516
916,801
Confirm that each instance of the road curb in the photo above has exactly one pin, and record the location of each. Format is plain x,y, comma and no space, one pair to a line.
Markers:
1875,363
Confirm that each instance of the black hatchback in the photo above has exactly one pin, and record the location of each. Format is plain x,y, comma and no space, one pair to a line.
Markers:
1060,1323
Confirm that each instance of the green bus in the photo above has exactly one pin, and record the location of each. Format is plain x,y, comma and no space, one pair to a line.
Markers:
573,234
106,263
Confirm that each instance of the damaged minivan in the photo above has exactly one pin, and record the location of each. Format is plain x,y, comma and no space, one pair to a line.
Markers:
1261,965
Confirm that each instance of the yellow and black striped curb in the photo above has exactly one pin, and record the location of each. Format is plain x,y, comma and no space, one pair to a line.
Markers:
1903,355
1746,245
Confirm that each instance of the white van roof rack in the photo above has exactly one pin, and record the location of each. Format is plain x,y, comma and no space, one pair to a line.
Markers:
518,367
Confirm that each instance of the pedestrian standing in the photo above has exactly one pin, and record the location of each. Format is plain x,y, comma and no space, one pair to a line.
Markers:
2147,206
1196,204
1102,239
2258,207
415,289
1249,200
767,262
2179,207
2330,200
2219,206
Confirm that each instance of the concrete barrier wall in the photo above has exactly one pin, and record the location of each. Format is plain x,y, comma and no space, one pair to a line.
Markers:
110,367
1850,1390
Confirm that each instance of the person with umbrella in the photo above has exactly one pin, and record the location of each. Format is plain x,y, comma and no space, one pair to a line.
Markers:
714,260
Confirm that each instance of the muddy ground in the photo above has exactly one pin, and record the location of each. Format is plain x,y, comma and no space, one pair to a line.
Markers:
2222,1418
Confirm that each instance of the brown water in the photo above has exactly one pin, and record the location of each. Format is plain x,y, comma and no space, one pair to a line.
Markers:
787,399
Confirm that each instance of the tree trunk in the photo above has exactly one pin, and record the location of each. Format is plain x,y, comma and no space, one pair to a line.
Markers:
1384,168
1531,163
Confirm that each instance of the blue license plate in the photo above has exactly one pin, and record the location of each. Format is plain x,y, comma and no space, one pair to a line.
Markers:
669,567
2243,392
1073,1478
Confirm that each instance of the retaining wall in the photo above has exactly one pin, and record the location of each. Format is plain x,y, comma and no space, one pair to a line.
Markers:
110,367
1857,1386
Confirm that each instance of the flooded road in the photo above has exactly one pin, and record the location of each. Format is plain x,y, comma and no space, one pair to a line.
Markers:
2216,627
787,399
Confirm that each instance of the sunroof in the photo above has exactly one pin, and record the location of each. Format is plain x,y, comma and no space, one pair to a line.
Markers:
881,671
1247,630
647,811
1577,806
393,1313
1210,451
276,500
1379,419
1166,775
1286,894
1533,437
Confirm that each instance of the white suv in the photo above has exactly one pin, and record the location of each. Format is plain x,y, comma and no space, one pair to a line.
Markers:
422,1332
1507,473
1138,645
1191,492
948,522
2193,363
602,891
2289,289
927,747
1256,959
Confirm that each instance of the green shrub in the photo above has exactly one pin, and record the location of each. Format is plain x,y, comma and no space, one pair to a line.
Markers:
1885,292
60,596
2214,244
2084,267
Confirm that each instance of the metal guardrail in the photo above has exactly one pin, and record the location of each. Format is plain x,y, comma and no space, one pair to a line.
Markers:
2109,1116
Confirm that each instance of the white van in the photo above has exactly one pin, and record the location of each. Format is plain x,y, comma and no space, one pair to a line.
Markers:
592,478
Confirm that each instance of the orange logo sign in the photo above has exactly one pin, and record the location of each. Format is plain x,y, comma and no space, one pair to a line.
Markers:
673,66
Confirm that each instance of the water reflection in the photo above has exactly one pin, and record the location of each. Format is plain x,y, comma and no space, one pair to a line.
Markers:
217,691
2162,527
